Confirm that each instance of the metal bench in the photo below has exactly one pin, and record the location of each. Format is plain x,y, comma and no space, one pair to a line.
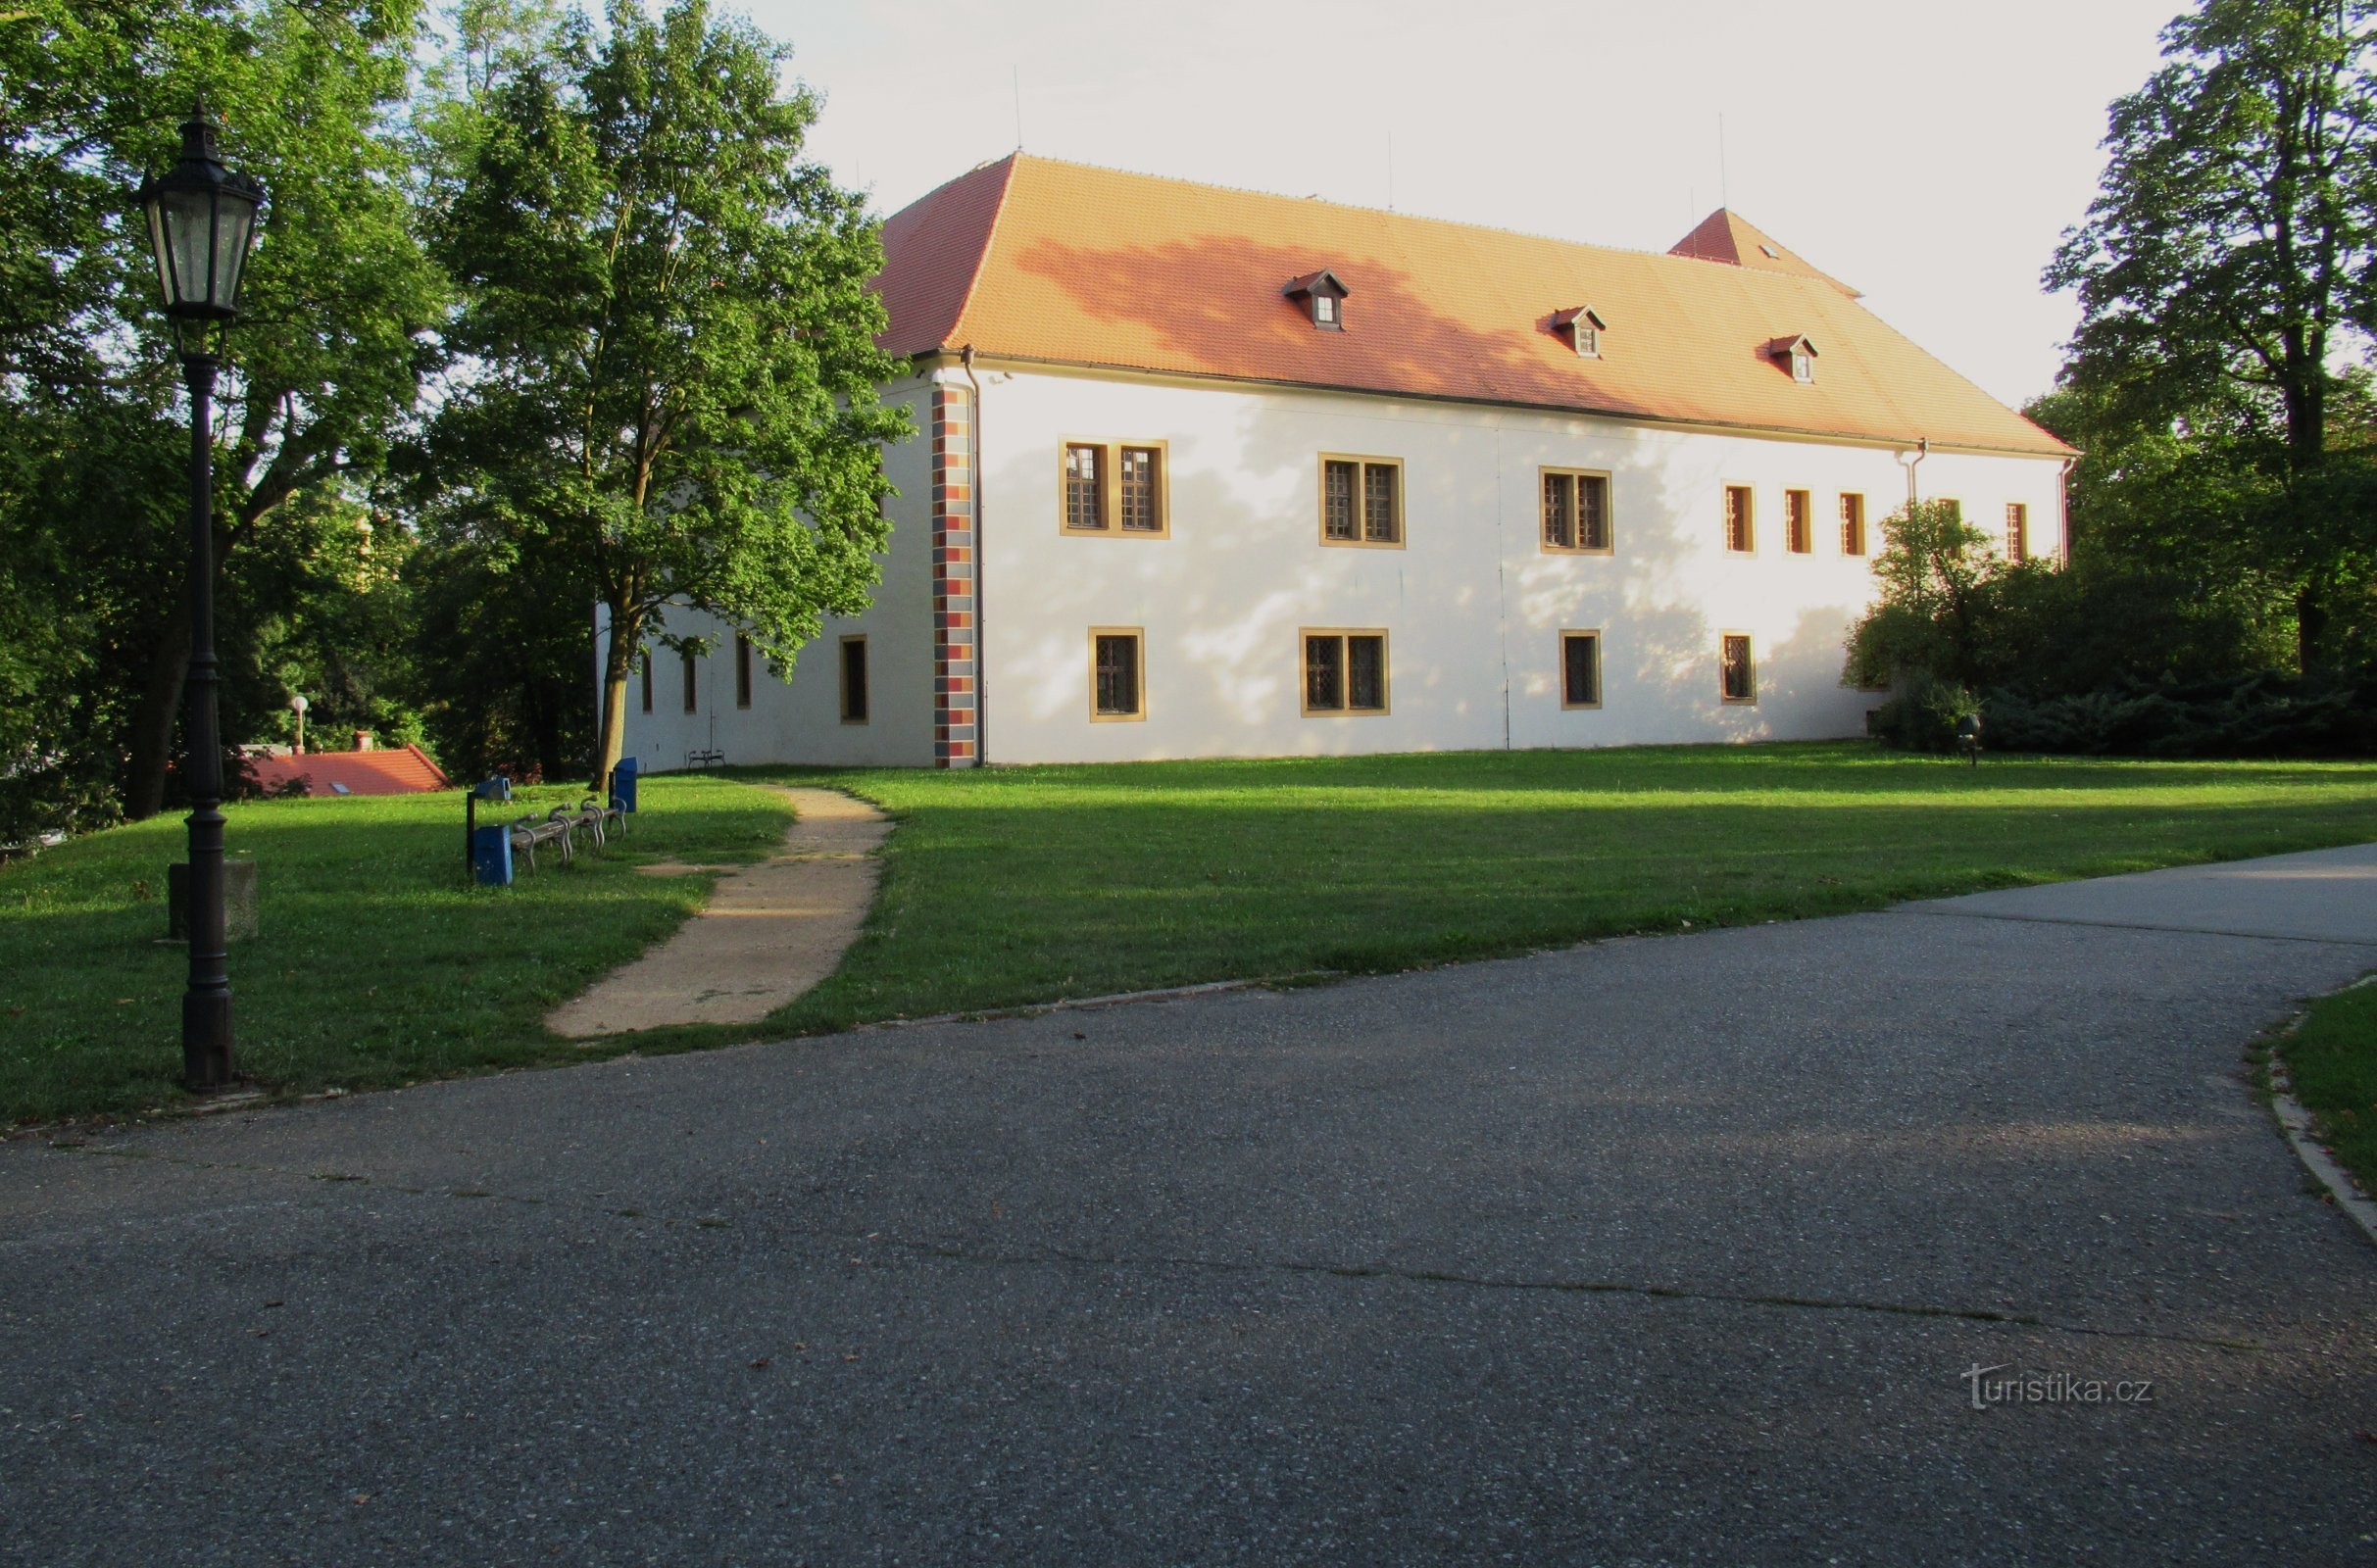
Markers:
554,828
600,820
704,759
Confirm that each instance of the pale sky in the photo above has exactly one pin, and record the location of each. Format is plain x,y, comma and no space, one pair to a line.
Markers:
1927,152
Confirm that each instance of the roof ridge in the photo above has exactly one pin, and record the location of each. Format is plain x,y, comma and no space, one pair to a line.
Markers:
1021,156
990,234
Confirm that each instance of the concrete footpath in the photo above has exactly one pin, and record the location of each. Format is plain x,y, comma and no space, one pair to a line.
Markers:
1947,1235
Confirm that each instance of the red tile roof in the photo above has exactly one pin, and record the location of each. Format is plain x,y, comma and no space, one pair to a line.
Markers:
1725,235
1032,260
402,770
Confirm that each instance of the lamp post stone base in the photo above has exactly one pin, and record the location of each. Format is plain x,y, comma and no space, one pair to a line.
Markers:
239,914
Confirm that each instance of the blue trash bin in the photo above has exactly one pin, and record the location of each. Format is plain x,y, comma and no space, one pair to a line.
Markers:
491,854
623,783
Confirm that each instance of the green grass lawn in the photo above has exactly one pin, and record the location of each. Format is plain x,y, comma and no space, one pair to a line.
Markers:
1008,887
374,964
2331,1059
1011,887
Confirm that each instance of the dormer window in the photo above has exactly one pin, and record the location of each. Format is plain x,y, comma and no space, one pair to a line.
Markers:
1321,297
1582,328
1795,354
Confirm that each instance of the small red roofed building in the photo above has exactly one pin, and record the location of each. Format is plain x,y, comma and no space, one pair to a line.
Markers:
367,770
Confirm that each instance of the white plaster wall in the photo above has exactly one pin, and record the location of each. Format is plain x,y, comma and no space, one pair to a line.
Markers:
1471,604
797,719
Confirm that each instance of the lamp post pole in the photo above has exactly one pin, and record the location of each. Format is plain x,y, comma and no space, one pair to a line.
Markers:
201,221
205,1005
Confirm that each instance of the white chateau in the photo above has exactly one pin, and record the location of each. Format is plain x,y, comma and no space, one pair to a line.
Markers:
1202,472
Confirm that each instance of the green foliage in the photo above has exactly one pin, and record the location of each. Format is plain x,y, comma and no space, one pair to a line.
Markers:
1923,717
2258,715
2228,262
323,365
669,341
1935,583
499,657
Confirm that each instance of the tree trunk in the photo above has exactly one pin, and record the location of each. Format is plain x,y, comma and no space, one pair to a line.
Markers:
155,715
619,662
2310,626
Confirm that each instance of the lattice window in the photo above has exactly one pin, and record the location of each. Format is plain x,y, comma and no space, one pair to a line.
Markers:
1592,511
1365,674
1345,671
1853,526
1360,501
1799,530
1324,673
2017,532
1738,522
1142,494
1337,480
1085,488
1739,675
1381,517
1114,674
1580,670
1560,511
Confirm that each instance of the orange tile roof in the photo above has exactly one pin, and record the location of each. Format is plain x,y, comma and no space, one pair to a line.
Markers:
1033,259
399,770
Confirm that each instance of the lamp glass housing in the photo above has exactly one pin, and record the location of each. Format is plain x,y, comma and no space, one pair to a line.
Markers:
202,219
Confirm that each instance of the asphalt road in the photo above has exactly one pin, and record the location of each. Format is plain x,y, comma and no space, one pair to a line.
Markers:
1661,1250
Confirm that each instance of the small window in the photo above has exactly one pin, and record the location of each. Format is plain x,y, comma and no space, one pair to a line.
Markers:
1797,354
854,680
1798,527
1085,488
1738,675
2017,532
1360,501
1116,488
742,671
1321,297
1576,510
1118,676
1741,535
1580,670
1345,673
1853,524
1583,327
690,676
646,663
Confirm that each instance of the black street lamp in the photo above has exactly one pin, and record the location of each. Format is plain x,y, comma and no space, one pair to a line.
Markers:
202,217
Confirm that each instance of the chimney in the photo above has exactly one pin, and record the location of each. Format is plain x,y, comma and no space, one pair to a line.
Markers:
363,739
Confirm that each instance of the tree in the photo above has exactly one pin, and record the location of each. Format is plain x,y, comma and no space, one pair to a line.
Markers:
1936,577
326,360
2230,259
666,364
